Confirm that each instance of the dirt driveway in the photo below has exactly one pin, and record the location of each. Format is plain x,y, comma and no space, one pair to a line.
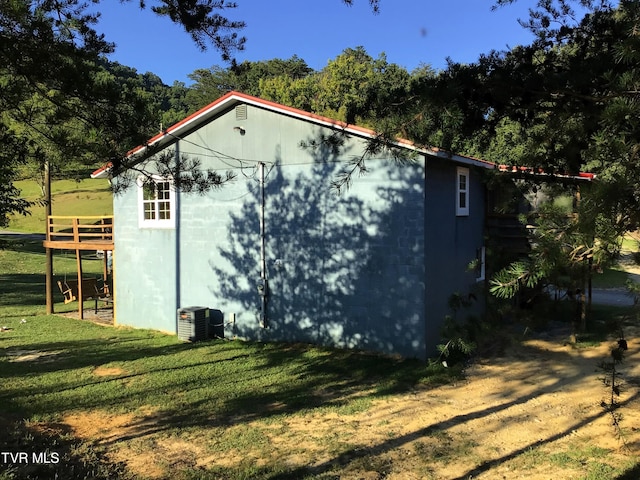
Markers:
532,413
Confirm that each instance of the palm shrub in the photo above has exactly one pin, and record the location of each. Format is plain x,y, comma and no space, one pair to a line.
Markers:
566,247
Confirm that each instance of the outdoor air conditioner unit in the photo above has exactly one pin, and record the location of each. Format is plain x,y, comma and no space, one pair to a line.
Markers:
216,323
193,324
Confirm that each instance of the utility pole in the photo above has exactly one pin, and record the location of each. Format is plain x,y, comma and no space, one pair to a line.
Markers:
48,251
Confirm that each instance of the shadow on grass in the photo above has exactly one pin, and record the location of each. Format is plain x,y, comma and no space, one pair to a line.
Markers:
610,278
28,290
353,456
22,243
221,382
204,384
225,383
22,279
31,244
632,473
85,190
23,289
67,459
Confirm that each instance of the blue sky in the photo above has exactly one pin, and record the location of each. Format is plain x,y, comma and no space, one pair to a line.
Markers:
409,32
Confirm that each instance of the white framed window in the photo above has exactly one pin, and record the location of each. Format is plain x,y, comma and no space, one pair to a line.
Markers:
481,264
156,203
462,191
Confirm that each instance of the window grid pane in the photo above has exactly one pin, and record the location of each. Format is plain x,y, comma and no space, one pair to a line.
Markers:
462,200
462,191
149,211
164,210
149,191
163,190
463,182
157,202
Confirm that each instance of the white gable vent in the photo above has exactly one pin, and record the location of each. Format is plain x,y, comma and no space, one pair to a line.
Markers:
241,112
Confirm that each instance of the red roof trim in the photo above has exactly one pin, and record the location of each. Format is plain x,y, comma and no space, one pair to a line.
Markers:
542,172
175,126
265,103
233,95
296,113
102,172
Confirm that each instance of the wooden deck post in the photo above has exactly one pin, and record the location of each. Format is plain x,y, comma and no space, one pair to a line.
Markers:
84,235
105,267
113,284
80,298
49,278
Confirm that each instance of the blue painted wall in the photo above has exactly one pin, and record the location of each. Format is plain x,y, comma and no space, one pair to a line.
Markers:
145,269
370,268
452,243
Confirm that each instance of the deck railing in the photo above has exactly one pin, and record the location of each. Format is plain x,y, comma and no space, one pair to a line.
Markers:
92,229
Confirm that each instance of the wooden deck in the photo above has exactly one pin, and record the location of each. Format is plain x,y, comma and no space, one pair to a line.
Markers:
79,233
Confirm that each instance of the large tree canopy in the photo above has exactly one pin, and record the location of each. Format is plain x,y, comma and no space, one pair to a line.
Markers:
61,102
568,101
353,87
571,100
55,88
212,83
59,98
577,101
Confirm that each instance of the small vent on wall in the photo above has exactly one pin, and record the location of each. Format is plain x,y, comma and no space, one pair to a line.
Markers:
241,112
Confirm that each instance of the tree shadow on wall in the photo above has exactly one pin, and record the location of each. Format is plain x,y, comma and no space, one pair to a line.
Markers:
343,270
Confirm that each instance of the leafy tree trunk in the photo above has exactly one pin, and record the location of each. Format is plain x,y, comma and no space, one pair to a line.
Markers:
583,303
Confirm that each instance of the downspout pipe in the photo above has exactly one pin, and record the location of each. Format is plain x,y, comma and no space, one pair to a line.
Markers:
178,228
262,282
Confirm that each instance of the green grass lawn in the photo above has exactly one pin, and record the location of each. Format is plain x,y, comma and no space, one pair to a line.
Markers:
49,365
187,383
613,277
86,197
230,397
227,396
22,279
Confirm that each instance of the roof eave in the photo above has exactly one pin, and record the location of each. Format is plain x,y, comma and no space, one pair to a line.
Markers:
102,172
541,175
174,132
